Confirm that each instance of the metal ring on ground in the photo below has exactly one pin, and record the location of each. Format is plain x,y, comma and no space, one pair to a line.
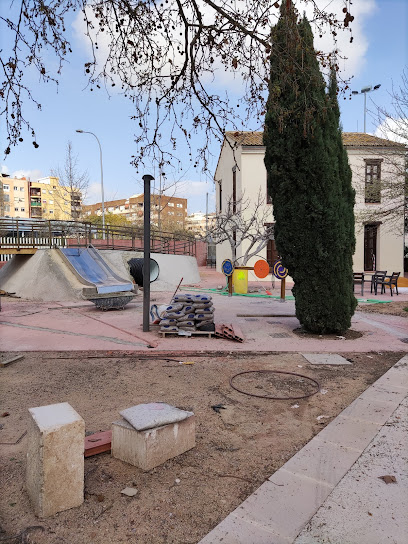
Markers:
275,372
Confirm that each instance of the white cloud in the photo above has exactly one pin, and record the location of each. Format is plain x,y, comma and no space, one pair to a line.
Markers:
231,79
196,188
395,130
355,51
32,175
93,193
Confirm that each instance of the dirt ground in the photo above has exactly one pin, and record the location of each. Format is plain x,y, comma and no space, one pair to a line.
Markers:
183,499
390,308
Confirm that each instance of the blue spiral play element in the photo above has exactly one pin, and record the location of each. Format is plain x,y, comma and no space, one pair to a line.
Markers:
227,267
279,271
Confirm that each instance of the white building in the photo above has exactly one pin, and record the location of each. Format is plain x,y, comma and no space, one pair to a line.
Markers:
241,173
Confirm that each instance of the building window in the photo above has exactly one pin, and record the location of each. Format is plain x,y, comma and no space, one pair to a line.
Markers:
373,180
220,186
15,188
51,211
16,209
6,187
21,188
6,208
171,204
6,198
22,209
234,189
179,205
51,202
268,196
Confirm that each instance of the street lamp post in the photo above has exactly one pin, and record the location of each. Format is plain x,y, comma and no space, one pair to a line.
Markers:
103,197
364,91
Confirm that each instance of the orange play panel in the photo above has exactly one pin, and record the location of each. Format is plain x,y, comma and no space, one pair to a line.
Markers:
261,269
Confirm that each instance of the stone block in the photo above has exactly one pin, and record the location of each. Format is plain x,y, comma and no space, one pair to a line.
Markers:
55,459
151,447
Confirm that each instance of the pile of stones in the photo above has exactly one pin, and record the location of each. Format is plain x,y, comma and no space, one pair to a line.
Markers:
188,313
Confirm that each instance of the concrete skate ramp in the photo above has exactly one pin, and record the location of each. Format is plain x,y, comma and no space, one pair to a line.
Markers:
48,276
43,276
92,270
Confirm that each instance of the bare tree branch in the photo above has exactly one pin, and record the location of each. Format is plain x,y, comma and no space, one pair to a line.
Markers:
167,58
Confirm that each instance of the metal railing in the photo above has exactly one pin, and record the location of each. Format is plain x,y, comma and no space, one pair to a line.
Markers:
36,233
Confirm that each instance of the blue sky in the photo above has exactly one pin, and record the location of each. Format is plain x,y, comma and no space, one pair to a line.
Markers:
378,56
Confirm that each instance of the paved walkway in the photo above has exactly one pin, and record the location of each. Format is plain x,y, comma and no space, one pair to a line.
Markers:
267,323
331,491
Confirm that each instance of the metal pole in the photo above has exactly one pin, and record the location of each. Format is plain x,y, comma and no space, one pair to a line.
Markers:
102,191
365,110
147,178
206,218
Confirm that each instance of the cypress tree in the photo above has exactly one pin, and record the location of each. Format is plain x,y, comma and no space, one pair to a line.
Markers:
309,179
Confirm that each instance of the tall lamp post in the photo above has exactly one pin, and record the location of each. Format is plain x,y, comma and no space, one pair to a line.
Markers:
103,197
364,91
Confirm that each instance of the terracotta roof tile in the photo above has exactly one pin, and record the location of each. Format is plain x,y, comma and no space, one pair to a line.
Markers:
246,138
359,139
350,139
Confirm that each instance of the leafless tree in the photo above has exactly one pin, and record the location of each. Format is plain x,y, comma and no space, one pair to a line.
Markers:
245,225
392,187
164,56
73,184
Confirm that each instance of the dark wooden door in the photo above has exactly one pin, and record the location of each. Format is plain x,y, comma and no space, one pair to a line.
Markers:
370,247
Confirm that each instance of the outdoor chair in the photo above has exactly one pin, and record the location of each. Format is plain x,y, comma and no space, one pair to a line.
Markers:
377,278
389,281
358,279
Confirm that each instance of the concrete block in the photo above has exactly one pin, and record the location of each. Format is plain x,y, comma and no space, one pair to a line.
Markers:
152,447
55,459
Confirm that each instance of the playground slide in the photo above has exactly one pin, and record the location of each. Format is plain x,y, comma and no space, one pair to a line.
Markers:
92,269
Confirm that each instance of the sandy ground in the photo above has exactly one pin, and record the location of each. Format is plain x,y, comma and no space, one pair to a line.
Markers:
236,450
390,308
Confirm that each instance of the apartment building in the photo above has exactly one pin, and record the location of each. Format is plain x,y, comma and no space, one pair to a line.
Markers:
14,200
168,212
42,199
198,222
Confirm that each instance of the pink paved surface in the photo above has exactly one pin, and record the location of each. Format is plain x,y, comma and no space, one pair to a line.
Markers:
45,326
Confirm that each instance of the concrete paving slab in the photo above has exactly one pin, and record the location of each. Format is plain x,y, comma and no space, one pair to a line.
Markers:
376,512
349,432
375,411
323,461
235,530
283,503
325,359
386,392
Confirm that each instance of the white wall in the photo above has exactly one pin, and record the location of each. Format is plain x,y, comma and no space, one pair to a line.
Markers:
390,239
251,177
